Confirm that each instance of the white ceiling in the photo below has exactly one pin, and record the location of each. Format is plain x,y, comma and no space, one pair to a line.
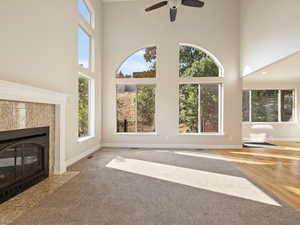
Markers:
118,0
285,70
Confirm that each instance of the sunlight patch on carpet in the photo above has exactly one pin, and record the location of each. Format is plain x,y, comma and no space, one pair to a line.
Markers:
220,183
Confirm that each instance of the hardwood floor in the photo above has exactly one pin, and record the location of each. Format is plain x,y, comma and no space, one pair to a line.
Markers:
277,170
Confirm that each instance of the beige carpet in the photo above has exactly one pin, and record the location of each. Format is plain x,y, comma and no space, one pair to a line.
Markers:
158,187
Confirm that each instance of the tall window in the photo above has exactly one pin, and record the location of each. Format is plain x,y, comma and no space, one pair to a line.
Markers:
200,101
86,89
268,105
135,101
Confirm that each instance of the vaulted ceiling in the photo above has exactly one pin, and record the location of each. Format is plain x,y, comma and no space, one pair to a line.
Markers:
285,70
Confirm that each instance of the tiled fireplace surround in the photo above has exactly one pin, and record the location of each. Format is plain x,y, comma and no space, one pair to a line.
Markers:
24,106
20,115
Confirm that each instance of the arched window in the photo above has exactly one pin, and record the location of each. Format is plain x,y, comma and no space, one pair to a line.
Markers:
135,102
141,64
197,62
200,101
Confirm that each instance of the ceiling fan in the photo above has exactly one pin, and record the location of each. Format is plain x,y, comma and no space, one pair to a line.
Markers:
174,4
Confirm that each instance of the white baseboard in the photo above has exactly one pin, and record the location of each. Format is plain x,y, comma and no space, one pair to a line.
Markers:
69,162
278,139
169,146
284,139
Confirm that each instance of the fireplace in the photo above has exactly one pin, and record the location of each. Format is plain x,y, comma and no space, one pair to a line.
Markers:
24,160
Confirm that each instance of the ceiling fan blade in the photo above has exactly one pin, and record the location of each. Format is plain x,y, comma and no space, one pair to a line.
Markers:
156,6
193,3
173,13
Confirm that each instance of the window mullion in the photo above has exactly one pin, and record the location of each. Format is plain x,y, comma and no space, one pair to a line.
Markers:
92,104
279,105
199,110
294,105
89,108
91,54
136,109
220,107
250,105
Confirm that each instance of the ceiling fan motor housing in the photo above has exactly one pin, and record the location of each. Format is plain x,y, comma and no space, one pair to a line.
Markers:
174,3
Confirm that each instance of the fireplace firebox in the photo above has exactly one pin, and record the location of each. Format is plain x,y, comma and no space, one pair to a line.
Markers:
24,160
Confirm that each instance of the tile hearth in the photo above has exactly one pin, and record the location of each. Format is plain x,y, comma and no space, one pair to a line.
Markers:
15,207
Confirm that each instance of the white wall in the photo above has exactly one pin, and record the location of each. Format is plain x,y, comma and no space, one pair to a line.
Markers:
269,32
280,131
38,45
215,27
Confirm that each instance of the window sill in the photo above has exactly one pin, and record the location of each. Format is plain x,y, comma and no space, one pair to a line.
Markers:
201,134
269,123
138,134
83,139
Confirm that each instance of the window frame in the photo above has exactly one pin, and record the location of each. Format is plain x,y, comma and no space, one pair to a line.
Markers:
147,82
220,108
90,54
295,119
137,81
212,56
91,11
203,80
88,73
91,112
89,29
133,78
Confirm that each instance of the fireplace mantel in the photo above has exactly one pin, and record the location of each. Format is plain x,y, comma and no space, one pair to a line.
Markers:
18,92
